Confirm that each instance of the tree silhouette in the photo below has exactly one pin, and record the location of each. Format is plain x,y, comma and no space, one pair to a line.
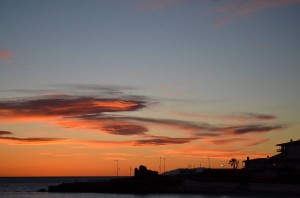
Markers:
234,163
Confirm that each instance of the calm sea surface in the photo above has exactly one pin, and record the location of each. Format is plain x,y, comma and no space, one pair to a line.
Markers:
27,187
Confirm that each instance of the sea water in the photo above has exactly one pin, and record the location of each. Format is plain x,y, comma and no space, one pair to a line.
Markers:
21,187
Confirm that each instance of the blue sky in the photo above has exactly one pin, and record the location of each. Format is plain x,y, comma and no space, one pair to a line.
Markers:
188,57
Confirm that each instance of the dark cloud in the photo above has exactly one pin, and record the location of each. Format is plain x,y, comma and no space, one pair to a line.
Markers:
255,116
203,127
257,128
198,129
6,133
125,129
67,106
162,140
93,113
31,140
240,117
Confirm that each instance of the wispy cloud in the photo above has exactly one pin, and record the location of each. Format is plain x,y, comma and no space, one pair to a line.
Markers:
240,9
67,106
249,117
148,141
127,129
30,141
252,128
6,133
233,140
69,111
163,140
206,129
5,54
104,115
231,10
91,113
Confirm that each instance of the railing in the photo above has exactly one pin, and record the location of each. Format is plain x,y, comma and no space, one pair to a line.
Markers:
280,150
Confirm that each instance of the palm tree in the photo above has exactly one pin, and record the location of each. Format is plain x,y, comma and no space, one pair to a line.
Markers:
234,163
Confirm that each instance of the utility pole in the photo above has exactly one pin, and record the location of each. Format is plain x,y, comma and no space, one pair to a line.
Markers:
130,169
117,167
208,162
159,165
164,164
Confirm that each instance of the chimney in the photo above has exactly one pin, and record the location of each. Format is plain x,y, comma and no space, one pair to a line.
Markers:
248,158
291,140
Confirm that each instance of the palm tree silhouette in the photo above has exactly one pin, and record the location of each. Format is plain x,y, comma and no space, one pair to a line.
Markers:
234,163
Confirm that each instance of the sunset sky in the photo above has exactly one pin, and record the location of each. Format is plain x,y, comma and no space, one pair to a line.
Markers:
197,82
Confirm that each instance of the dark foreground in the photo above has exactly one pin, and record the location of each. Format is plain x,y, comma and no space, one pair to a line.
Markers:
179,185
212,181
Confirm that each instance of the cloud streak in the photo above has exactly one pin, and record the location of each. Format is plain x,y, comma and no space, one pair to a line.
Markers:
67,106
5,54
240,9
6,133
150,141
30,141
231,10
239,117
162,140
91,113
104,115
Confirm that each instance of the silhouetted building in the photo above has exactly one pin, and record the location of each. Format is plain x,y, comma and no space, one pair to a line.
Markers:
288,158
142,172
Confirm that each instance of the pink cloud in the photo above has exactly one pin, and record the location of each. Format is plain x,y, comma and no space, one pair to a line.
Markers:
245,8
4,54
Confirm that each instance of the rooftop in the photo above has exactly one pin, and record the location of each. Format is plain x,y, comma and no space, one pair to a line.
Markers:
289,143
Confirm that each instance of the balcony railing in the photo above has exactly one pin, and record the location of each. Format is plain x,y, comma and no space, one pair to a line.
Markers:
280,150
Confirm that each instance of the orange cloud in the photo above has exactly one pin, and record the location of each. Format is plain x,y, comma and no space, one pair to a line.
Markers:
92,113
66,106
4,54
